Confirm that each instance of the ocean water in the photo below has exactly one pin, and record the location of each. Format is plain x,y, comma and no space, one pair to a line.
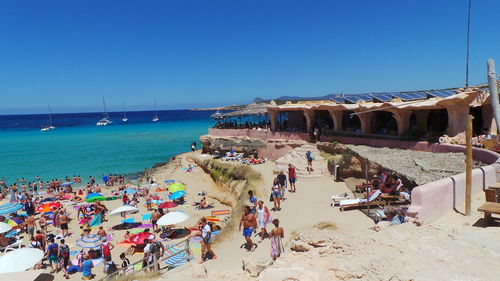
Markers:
78,147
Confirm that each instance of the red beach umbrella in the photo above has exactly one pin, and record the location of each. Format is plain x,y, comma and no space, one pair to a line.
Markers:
167,205
139,237
49,207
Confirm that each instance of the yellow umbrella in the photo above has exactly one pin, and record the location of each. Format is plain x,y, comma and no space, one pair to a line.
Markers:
12,223
176,187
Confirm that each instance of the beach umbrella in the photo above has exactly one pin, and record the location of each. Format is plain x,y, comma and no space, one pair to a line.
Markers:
130,190
96,198
176,187
172,218
20,260
138,238
11,223
4,227
126,209
10,208
177,195
90,241
167,205
169,181
67,183
49,207
92,195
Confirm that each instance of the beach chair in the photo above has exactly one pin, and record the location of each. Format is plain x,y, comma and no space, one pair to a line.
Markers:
374,199
13,246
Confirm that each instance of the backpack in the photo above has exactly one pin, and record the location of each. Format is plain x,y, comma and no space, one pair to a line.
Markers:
54,251
105,250
155,249
112,268
65,251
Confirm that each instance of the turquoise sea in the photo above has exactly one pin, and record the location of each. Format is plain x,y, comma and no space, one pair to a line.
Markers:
78,147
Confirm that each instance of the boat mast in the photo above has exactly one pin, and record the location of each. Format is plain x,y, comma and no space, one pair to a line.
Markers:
105,111
50,115
124,116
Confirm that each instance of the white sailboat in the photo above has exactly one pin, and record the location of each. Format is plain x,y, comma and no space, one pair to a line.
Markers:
124,119
50,126
104,121
155,117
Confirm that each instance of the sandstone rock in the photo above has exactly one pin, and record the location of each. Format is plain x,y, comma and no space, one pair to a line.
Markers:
299,246
198,271
254,269
290,273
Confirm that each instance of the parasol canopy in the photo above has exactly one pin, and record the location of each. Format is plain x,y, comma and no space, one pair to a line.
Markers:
130,190
138,238
96,198
4,227
167,205
177,195
126,209
67,183
169,181
176,187
90,241
20,260
92,195
10,208
172,218
49,207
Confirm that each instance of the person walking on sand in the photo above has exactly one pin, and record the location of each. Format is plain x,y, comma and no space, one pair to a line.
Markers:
63,224
155,216
30,226
276,192
276,236
148,198
252,202
263,217
206,242
249,224
310,158
64,256
292,177
282,181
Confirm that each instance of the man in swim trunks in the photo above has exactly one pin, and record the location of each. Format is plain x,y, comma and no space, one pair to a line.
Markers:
155,216
63,223
147,197
30,226
292,177
249,223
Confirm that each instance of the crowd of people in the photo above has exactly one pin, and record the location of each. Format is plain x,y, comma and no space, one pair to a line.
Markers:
238,125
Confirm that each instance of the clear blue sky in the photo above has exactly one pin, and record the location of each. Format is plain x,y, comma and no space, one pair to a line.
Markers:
203,53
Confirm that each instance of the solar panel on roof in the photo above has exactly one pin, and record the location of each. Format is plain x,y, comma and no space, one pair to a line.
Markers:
442,93
411,96
338,99
351,98
365,97
382,97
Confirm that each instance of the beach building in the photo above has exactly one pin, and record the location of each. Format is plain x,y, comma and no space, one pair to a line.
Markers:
417,115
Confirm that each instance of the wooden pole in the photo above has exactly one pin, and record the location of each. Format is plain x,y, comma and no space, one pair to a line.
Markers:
468,165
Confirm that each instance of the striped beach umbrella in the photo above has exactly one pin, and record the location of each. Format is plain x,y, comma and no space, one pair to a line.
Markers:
67,183
130,191
176,187
10,208
4,227
90,241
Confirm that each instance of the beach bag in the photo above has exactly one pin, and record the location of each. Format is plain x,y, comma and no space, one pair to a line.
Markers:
112,268
105,250
271,198
155,249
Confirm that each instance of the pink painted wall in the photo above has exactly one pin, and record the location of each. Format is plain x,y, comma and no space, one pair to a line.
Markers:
429,201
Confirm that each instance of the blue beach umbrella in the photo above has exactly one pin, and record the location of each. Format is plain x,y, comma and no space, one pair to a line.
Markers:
169,181
68,183
130,190
10,208
90,241
92,195
177,195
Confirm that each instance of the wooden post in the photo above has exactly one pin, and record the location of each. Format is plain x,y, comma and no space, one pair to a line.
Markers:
367,189
468,165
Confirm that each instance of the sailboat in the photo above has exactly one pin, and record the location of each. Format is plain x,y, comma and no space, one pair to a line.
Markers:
155,117
124,119
104,121
50,126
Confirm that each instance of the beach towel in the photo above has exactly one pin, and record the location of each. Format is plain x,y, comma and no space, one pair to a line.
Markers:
146,217
130,220
96,221
177,256
220,213
146,225
212,219
84,220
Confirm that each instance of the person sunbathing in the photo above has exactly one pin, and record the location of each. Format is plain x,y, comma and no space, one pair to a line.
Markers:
374,183
76,198
203,204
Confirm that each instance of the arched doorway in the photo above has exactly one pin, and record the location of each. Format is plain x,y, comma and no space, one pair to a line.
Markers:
351,122
323,120
477,122
384,123
437,122
292,121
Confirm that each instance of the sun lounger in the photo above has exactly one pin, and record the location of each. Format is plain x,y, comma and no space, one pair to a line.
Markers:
489,208
360,202
12,247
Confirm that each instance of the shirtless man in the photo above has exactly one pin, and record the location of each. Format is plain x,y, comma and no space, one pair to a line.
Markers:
249,223
63,223
42,222
30,226
148,200
155,216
